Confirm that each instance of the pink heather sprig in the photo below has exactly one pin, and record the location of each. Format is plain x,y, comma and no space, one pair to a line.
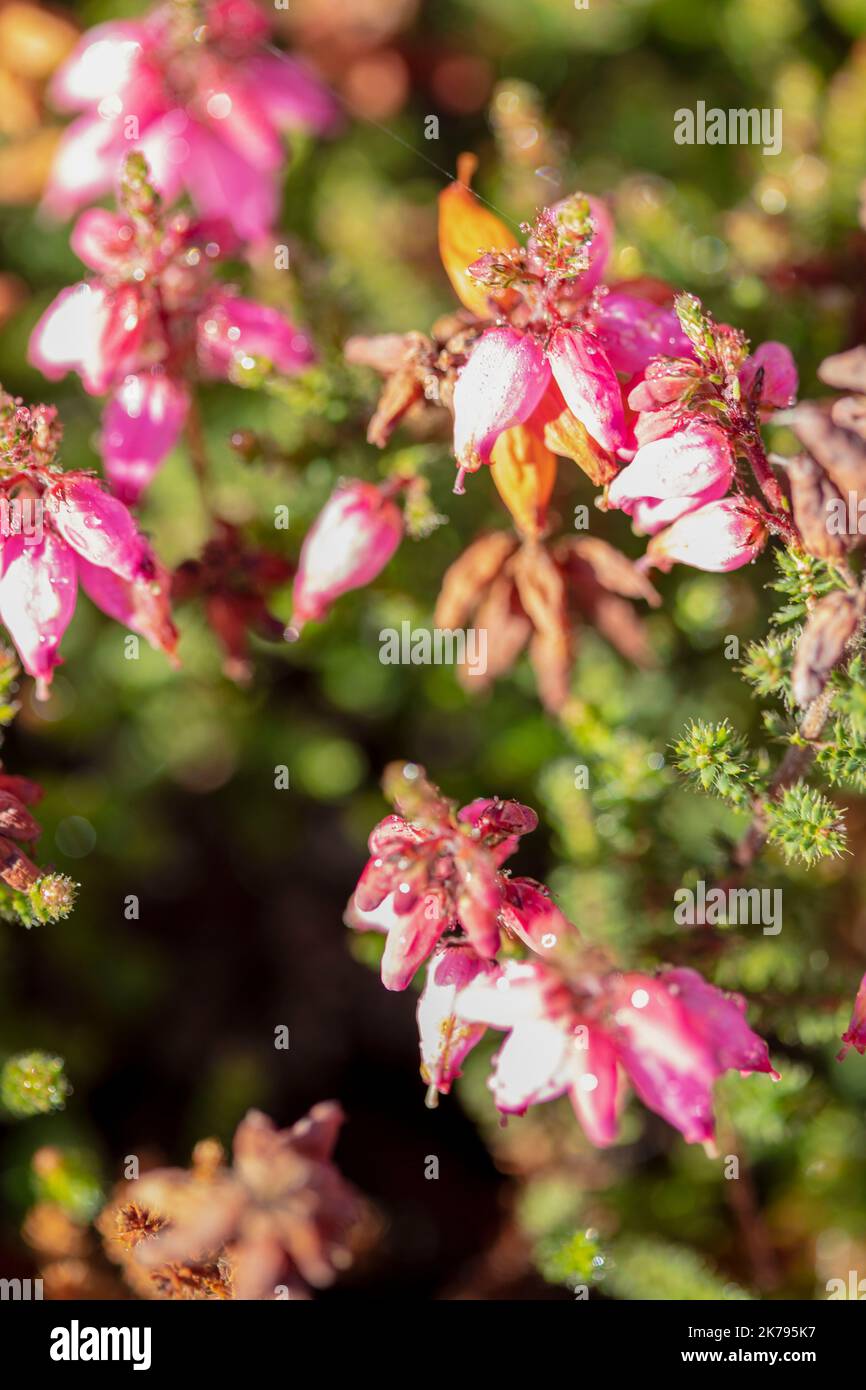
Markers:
60,530
696,424
194,88
436,886
657,403
152,321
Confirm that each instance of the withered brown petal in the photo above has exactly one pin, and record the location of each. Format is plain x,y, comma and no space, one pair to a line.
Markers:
845,370
830,627
840,453
465,581
812,494
613,570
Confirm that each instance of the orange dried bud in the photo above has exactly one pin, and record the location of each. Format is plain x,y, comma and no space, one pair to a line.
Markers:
565,435
524,471
466,230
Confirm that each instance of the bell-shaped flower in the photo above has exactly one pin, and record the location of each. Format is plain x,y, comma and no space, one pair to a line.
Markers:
349,543
717,537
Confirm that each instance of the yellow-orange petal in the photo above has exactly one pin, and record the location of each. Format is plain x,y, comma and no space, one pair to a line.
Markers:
524,471
565,435
466,230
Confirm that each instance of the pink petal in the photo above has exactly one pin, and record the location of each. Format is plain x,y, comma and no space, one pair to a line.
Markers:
349,543
141,424
69,335
855,1035
291,95
143,604
445,1039
102,240
411,941
632,331
479,897
222,183
530,914
594,1085
719,1019
231,327
37,600
780,382
101,65
232,109
94,524
687,463
650,517
85,164
718,537
665,1057
589,385
516,993
500,386
530,1067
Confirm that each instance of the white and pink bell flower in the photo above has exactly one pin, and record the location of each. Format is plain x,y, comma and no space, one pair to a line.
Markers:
201,96
87,537
559,336
717,537
348,545
672,1036
444,1039
147,325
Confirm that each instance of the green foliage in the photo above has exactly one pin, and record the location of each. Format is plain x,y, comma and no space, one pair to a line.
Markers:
801,579
805,825
50,899
33,1083
715,758
574,1259
767,664
658,1270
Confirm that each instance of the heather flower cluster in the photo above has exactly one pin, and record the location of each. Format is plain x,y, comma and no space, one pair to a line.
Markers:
194,89
575,1025
84,536
151,322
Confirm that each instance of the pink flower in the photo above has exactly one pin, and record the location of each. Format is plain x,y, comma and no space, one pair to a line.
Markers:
856,1032
445,1040
440,873
349,543
780,380
87,535
150,321
632,331
718,537
207,106
141,424
565,337
684,469
673,1036
510,373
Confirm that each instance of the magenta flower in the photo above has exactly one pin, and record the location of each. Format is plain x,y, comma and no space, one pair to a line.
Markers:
438,875
86,536
148,324
695,415
676,474
672,1036
855,1036
349,543
206,105
559,337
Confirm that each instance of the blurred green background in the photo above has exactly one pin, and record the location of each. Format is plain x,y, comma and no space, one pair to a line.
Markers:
161,783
